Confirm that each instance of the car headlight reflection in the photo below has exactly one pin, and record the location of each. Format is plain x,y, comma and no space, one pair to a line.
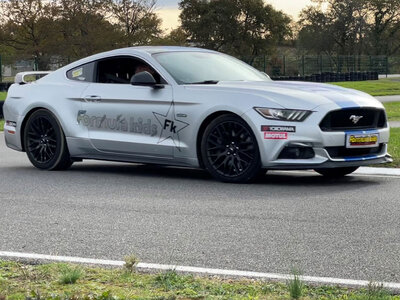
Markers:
283,114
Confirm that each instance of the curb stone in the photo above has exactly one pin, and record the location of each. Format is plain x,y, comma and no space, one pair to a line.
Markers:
378,171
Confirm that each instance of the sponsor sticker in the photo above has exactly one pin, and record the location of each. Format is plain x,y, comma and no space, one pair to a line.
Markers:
270,135
362,140
278,128
77,72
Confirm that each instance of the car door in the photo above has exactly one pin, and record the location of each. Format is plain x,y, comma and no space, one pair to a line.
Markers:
125,119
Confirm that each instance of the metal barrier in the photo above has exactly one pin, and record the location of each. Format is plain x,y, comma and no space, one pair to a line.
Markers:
324,68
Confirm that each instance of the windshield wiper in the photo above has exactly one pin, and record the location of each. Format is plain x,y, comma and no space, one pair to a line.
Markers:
205,82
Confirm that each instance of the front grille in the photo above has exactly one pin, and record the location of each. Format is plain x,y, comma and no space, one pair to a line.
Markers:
368,118
343,152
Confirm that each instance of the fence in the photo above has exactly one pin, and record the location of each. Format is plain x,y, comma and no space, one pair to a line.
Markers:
336,68
339,68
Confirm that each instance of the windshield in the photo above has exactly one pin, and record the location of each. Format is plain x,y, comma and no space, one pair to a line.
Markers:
206,68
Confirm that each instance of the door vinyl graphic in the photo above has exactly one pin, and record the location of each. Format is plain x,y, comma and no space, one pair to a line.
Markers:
170,126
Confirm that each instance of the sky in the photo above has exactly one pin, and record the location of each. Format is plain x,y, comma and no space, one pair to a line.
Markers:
169,13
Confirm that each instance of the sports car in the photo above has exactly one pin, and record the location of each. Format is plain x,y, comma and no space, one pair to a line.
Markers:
191,107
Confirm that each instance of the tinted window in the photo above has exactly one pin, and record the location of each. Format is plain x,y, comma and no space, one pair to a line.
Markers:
122,69
195,67
82,73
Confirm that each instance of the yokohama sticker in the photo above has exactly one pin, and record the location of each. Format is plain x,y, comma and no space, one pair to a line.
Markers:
278,128
270,135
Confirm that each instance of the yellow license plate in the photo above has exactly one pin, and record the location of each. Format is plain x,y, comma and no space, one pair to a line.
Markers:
362,140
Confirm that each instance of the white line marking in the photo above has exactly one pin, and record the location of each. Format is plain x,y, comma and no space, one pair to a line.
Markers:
363,171
378,171
70,259
198,270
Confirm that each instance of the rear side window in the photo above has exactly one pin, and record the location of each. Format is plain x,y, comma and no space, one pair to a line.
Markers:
82,73
121,70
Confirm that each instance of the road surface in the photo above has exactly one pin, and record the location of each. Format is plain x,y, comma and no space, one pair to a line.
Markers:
348,228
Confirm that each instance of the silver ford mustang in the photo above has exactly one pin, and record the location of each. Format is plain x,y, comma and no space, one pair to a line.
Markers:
191,107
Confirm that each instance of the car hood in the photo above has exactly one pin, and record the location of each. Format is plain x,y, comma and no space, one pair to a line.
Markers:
301,95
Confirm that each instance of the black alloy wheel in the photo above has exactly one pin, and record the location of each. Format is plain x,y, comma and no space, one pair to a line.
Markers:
230,151
45,143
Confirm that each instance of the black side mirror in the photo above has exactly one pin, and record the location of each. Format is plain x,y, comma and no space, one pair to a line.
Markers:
145,79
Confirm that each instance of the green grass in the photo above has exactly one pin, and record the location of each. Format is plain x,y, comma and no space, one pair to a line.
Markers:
70,275
295,286
392,110
1,125
382,87
22,281
394,148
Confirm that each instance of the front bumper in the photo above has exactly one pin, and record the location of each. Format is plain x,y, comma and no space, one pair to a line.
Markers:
309,134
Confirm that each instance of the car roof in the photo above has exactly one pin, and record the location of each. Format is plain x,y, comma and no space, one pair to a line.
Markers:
144,50
159,49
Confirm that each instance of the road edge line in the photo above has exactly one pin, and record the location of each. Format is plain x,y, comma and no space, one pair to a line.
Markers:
151,267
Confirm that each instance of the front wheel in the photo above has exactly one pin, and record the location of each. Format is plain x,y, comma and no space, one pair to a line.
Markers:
45,143
336,172
230,151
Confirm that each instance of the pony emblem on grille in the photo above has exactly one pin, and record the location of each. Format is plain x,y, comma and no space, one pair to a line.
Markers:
355,119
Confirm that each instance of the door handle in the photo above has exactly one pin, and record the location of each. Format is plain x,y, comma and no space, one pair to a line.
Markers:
92,98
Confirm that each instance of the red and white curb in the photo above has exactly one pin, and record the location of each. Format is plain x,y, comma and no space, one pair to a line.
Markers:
147,267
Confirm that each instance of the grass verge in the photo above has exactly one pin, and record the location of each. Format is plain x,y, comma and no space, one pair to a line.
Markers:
392,110
382,87
21,281
394,148
1,125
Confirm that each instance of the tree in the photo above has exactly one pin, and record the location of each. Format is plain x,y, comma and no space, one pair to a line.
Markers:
385,29
315,33
84,29
354,27
137,20
176,37
339,29
59,31
239,27
27,28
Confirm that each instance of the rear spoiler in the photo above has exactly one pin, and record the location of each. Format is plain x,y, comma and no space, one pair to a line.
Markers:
21,78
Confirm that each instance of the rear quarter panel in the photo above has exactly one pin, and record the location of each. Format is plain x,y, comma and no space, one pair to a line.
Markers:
62,98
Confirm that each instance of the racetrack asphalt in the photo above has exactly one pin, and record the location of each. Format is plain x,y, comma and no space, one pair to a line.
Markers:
348,228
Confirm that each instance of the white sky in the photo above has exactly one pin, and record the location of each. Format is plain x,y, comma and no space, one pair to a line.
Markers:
168,10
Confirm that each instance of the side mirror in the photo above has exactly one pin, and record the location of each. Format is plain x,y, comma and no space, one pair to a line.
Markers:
145,79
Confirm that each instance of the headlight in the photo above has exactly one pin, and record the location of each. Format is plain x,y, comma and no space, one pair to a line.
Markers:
283,114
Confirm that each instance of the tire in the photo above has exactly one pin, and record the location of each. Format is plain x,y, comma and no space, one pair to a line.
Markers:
336,172
229,150
45,143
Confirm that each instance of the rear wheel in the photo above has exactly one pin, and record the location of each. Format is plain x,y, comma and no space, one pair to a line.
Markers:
336,172
45,142
230,151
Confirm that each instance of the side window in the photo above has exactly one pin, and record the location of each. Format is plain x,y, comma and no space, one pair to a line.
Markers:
122,69
82,73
